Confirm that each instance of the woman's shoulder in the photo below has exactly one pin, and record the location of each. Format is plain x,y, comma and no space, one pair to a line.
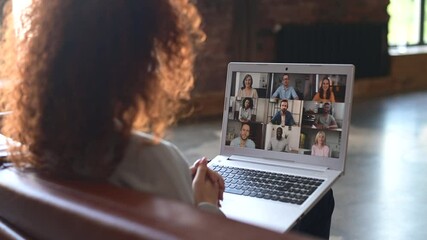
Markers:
150,146
142,137
154,165
144,154
332,97
316,96
254,93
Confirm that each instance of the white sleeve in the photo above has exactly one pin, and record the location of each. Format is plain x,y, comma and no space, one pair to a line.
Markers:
155,168
158,168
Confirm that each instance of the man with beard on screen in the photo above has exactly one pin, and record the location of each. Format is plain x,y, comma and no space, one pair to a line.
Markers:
279,143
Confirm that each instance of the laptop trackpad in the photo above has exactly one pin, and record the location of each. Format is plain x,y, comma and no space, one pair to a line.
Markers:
274,215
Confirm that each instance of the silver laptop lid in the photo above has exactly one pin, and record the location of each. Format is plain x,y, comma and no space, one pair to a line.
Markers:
312,130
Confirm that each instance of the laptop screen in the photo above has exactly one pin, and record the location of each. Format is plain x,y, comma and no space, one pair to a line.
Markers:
296,112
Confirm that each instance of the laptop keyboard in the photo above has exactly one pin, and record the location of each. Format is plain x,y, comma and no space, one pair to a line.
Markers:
267,185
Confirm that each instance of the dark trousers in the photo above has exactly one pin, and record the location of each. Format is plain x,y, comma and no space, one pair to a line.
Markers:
317,222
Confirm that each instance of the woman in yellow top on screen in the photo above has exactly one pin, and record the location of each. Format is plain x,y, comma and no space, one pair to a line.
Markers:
247,90
325,93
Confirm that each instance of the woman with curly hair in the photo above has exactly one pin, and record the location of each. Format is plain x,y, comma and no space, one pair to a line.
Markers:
93,71
245,111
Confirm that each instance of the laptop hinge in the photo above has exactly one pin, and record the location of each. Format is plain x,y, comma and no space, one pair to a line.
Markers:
280,163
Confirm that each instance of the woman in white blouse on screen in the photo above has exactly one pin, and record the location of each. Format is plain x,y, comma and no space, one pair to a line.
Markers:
245,111
247,90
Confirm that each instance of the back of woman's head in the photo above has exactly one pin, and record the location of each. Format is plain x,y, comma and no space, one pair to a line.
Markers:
93,70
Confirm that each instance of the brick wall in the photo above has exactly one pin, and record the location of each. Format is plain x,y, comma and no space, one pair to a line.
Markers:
263,17
408,74
215,53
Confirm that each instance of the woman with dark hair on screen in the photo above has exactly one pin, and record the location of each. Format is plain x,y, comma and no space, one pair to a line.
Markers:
246,90
92,72
245,111
325,94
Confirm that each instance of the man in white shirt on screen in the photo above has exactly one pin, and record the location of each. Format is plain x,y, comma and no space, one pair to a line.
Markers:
279,143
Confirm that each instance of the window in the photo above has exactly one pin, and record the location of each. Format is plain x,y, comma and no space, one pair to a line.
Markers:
407,24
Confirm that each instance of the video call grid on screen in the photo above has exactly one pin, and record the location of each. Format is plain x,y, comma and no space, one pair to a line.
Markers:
315,116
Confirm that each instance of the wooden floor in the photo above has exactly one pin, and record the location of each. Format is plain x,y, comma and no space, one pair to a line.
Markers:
382,195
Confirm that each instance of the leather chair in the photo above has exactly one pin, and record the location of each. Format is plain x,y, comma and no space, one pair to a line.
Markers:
40,207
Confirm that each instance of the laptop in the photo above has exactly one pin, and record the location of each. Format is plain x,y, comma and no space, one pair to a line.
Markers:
263,161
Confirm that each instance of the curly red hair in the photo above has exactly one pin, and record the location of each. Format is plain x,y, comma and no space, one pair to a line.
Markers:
91,64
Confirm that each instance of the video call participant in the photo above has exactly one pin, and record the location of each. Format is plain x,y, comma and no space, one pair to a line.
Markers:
283,117
325,94
245,111
279,143
247,90
320,148
325,120
243,140
285,91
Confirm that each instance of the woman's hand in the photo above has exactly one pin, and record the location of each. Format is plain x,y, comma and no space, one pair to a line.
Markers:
208,185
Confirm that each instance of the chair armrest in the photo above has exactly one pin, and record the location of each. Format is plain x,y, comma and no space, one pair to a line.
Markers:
47,208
